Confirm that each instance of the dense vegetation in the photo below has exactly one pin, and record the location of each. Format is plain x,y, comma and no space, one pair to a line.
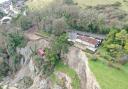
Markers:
115,46
9,58
54,54
112,57
64,15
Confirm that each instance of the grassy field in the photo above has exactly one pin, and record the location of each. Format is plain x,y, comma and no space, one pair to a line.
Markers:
38,4
70,72
84,3
110,78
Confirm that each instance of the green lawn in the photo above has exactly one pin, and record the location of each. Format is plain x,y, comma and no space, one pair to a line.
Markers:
110,78
70,72
84,3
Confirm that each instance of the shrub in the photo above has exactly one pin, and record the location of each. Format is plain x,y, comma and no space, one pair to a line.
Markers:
114,65
4,69
15,40
117,4
25,22
94,58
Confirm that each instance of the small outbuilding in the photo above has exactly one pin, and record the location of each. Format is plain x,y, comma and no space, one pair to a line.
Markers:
41,52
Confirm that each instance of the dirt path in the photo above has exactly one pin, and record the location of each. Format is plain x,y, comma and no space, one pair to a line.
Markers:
31,33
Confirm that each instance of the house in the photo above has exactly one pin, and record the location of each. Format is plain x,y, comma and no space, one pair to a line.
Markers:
89,42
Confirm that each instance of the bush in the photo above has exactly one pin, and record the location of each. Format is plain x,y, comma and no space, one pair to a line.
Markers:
15,40
4,69
25,23
94,58
114,65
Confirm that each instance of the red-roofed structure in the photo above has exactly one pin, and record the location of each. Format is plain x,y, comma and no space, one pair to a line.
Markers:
89,40
41,52
91,43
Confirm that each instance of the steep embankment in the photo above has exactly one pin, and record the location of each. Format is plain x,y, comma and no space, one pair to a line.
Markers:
79,62
28,77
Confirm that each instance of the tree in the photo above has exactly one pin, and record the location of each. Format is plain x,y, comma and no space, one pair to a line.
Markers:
91,21
116,44
110,38
122,36
60,44
24,22
114,51
14,40
59,26
54,54
126,47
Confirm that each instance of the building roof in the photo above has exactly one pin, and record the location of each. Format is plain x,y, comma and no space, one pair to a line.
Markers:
41,52
88,39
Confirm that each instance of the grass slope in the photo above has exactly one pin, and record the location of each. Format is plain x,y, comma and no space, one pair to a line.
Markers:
70,72
84,3
110,78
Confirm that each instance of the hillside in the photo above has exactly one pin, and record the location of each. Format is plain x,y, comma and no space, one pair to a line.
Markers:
64,44
37,5
85,3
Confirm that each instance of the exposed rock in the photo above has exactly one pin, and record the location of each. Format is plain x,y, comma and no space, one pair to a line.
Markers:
57,87
78,65
25,83
40,83
33,68
66,80
13,88
5,87
77,60
27,51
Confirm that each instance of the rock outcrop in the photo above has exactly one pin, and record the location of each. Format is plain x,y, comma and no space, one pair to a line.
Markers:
77,60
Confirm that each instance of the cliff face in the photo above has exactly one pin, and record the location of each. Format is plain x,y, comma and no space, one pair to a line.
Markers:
28,77
77,60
